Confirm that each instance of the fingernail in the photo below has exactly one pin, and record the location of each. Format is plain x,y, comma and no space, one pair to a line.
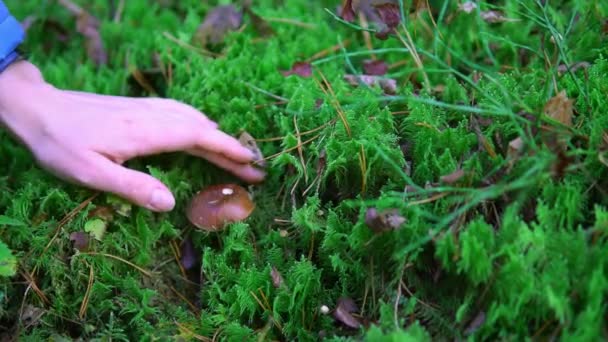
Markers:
161,200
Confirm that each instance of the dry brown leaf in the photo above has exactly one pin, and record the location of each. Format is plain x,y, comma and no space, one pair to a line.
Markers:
476,323
388,85
559,108
375,67
249,142
217,24
347,12
343,313
277,279
453,177
563,68
494,17
189,256
80,240
383,221
467,7
88,26
302,69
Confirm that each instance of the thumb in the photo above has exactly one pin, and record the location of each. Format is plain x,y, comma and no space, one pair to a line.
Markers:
134,186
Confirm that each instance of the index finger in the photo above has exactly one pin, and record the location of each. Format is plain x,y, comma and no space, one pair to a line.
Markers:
219,142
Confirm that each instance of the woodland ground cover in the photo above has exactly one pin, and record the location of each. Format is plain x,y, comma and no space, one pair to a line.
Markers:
457,191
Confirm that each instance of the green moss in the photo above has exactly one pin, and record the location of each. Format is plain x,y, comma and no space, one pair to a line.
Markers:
524,248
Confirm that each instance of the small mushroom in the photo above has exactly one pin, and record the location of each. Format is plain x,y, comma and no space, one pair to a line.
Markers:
216,206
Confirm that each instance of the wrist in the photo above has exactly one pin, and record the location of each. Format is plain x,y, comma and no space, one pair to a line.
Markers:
19,81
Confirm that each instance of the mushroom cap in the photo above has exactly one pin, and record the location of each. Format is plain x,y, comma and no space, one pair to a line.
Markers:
215,206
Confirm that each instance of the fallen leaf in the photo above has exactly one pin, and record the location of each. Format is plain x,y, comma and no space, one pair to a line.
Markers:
388,85
303,69
343,313
217,24
31,315
347,13
80,241
88,26
277,279
103,212
494,17
188,259
514,150
390,16
453,177
559,108
95,227
375,67
249,142
467,7
476,323
383,221
563,68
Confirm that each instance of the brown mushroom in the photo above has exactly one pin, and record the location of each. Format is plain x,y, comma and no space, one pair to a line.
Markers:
216,206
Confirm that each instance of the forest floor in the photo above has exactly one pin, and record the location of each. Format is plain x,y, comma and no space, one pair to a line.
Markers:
436,170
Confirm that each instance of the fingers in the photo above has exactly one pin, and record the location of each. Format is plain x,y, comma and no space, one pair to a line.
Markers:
137,187
243,171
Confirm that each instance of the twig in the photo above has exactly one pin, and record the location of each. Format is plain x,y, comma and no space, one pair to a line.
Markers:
143,271
87,294
72,7
119,9
335,102
192,306
192,333
300,153
291,148
292,22
62,223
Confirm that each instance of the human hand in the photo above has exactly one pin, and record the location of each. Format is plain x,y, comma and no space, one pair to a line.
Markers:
84,138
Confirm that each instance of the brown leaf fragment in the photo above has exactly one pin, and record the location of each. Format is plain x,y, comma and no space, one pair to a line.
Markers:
189,256
103,212
302,69
343,313
31,315
559,108
347,13
383,221
467,7
453,177
494,17
388,85
375,67
390,16
88,26
80,240
217,24
277,278
563,68
476,323
249,142
515,147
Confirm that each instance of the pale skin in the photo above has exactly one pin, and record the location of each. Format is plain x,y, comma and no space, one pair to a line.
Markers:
85,138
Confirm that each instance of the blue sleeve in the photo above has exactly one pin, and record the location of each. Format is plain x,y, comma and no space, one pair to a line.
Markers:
11,36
